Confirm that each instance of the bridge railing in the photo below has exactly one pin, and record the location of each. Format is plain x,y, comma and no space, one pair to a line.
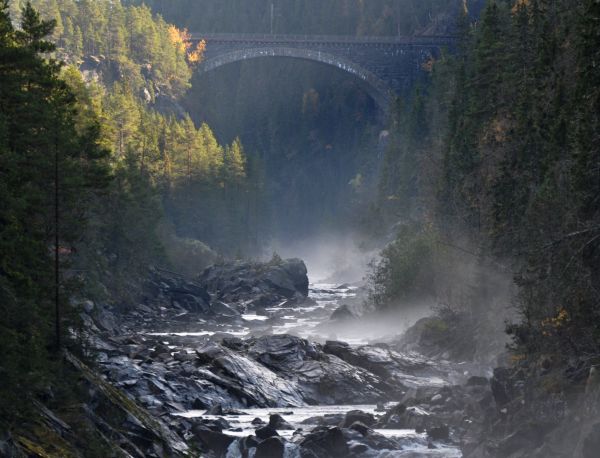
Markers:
415,40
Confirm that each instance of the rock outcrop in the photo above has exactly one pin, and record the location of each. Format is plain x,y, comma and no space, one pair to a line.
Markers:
257,284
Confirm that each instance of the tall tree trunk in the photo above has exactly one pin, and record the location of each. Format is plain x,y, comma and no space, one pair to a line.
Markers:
56,248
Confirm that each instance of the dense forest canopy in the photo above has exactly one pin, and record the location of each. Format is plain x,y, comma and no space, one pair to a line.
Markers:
316,17
499,157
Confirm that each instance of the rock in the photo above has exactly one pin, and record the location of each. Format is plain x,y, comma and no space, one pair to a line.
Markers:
146,95
360,433
247,379
215,441
477,381
222,309
232,412
279,281
358,416
501,386
174,289
198,404
88,306
265,432
128,425
297,272
249,442
331,419
276,421
320,378
217,409
436,398
265,284
439,433
217,425
525,438
273,447
233,343
358,449
399,369
326,442
258,422
342,313
396,410
183,356
360,427
402,417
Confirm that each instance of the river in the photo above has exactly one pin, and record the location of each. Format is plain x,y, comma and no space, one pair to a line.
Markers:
313,323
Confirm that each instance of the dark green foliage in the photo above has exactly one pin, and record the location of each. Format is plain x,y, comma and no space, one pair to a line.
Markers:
160,160
406,270
50,169
126,42
342,17
516,174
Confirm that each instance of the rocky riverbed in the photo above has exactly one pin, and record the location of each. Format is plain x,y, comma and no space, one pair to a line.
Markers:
251,360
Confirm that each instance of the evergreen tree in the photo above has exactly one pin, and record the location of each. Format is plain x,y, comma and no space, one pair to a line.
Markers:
49,171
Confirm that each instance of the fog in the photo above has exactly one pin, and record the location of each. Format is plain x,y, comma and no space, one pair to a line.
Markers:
331,257
479,290
375,327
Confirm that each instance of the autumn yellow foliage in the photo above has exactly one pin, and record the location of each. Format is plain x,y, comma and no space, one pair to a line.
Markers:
182,40
179,38
556,322
196,55
520,4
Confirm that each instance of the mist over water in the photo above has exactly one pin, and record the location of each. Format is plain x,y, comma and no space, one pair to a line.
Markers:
338,264
330,257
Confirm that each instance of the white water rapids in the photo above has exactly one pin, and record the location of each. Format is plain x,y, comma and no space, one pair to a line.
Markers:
311,322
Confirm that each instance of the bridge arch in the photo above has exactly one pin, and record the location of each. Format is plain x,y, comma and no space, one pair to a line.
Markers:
377,88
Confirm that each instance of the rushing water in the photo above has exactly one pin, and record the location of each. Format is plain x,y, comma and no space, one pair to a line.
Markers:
311,322
304,321
303,418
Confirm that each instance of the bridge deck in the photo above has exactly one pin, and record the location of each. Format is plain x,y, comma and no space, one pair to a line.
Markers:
424,40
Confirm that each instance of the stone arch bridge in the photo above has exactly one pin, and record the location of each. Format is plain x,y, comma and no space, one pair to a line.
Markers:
388,65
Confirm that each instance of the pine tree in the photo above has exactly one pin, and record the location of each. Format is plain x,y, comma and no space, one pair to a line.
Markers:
49,170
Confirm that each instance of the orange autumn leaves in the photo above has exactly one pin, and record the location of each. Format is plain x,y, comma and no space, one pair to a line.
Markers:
183,42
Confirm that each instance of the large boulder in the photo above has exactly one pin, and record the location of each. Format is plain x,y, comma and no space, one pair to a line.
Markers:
265,432
358,415
263,284
273,447
278,422
400,369
326,442
320,377
297,273
246,379
343,313
215,441
173,289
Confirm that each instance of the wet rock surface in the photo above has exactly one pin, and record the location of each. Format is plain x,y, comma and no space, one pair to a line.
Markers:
259,284
202,364
225,381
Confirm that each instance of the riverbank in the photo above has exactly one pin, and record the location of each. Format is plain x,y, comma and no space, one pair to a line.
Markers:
244,357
